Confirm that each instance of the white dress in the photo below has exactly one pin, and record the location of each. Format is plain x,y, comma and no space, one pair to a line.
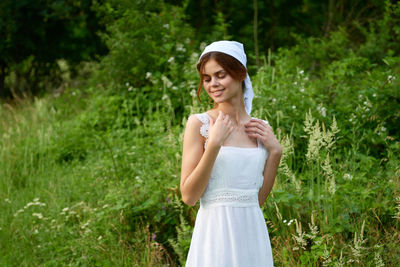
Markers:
230,230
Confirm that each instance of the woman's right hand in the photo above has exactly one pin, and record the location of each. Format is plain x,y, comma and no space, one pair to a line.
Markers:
220,129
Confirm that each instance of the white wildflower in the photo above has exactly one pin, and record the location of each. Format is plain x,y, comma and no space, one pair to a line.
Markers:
274,100
322,110
293,107
130,88
99,238
348,176
295,83
38,215
18,212
174,88
193,93
35,232
397,215
138,179
7,200
290,222
127,84
374,95
36,199
180,48
301,72
390,78
378,260
148,75
105,206
302,89
164,97
166,81
358,248
171,59
166,26
383,129
299,238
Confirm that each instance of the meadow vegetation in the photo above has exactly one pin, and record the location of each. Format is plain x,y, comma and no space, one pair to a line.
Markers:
90,176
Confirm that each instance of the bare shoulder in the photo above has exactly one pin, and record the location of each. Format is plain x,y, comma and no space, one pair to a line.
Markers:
192,130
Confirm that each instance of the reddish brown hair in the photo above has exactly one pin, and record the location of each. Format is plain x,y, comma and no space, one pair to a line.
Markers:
230,64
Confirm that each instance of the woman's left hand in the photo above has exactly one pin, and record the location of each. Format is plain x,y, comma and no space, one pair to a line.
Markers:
263,132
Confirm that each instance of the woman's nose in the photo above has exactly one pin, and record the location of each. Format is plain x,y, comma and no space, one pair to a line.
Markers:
214,81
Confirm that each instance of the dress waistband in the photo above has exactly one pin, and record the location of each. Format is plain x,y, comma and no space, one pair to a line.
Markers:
229,197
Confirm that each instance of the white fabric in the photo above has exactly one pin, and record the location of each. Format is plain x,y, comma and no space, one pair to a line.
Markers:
236,50
230,229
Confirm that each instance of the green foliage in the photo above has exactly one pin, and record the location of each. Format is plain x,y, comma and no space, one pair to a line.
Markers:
38,33
90,177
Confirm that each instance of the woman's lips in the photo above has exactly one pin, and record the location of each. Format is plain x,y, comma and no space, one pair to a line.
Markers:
217,92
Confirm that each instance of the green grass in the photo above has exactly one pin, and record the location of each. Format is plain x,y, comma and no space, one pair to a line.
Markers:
90,178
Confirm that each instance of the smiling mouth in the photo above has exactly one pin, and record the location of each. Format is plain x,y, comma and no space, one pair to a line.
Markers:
217,92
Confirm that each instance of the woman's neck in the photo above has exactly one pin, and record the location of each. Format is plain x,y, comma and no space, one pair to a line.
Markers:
237,113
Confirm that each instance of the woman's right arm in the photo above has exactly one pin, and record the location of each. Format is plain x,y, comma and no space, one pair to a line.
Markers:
198,163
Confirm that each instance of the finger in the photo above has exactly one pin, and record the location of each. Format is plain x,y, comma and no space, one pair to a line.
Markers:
220,115
258,124
255,130
211,121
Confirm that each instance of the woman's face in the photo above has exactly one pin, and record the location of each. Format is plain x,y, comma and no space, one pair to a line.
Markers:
219,85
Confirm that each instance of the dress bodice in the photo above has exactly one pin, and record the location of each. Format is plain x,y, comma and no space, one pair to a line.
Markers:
237,174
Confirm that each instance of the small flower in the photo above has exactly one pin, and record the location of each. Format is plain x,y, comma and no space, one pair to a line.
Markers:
7,200
295,83
148,75
390,78
38,215
127,84
171,59
193,93
180,48
302,90
168,200
130,88
383,129
301,72
348,176
153,236
174,88
100,237
166,26
18,212
73,93
374,95
274,100
293,107
164,97
35,232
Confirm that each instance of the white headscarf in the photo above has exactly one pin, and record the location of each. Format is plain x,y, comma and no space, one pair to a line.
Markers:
236,50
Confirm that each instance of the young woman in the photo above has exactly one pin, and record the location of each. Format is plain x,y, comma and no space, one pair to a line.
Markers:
229,162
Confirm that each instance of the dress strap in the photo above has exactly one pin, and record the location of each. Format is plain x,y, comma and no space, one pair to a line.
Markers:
205,120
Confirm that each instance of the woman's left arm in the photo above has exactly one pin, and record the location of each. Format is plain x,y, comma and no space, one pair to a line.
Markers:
263,132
